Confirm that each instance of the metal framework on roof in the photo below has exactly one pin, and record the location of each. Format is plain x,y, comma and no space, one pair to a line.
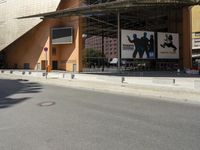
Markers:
101,6
101,15
150,19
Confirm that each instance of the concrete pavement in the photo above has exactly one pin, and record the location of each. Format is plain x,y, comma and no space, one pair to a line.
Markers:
181,88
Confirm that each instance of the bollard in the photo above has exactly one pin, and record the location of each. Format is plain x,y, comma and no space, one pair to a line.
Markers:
23,72
2,71
122,79
43,74
174,81
72,76
11,71
29,72
197,84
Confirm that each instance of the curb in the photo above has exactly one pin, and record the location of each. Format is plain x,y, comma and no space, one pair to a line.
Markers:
165,92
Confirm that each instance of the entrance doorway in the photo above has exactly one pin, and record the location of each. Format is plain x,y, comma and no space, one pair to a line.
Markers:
43,64
54,65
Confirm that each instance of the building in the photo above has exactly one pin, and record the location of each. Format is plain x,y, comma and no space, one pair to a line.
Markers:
23,40
109,49
32,31
196,37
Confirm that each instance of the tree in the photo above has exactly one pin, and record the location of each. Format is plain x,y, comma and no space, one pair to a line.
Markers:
90,53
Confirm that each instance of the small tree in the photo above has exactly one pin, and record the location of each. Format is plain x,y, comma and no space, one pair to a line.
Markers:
92,53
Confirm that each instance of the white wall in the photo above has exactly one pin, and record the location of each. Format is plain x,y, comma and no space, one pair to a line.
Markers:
12,28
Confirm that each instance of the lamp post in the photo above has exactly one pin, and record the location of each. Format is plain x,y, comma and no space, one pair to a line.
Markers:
46,50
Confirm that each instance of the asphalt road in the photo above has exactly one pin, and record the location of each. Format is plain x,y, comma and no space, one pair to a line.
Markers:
87,120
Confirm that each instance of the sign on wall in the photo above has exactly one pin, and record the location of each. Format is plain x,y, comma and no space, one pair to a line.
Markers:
137,44
196,40
168,45
63,35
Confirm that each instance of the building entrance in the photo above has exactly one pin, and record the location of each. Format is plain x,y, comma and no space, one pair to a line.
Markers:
54,65
43,64
2,60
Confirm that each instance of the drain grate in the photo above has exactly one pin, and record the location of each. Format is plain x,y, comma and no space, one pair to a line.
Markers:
46,104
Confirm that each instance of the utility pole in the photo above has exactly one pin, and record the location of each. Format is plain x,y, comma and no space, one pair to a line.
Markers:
46,61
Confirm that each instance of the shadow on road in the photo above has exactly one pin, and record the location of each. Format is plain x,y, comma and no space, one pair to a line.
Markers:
20,87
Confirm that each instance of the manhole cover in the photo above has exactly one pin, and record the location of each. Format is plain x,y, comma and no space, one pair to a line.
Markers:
45,104
22,80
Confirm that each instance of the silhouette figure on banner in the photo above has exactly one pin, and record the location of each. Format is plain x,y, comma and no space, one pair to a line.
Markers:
143,45
168,42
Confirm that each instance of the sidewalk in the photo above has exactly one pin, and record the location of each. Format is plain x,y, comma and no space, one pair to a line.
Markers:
177,88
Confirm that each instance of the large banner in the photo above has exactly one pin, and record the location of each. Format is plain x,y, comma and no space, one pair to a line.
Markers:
63,35
137,44
168,45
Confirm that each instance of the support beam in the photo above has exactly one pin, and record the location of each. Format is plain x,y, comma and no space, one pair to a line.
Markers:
187,39
119,40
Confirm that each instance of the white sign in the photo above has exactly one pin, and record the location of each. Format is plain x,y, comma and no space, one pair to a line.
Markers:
168,45
137,44
196,43
196,40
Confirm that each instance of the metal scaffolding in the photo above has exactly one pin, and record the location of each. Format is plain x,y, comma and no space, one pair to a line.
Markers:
91,7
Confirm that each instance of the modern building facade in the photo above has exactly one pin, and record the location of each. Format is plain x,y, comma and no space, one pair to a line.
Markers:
196,37
23,40
27,29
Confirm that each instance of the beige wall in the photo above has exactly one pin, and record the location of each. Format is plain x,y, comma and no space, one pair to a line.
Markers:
72,53
12,28
29,48
68,54
196,19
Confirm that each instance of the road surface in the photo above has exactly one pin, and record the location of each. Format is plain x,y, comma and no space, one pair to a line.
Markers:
34,116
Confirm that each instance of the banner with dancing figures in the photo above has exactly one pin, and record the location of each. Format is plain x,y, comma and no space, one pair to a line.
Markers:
137,44
168,45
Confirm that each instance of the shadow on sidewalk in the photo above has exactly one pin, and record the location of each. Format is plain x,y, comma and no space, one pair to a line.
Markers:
11,87
147,74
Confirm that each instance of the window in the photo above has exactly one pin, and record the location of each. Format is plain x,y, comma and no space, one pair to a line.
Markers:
26,66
